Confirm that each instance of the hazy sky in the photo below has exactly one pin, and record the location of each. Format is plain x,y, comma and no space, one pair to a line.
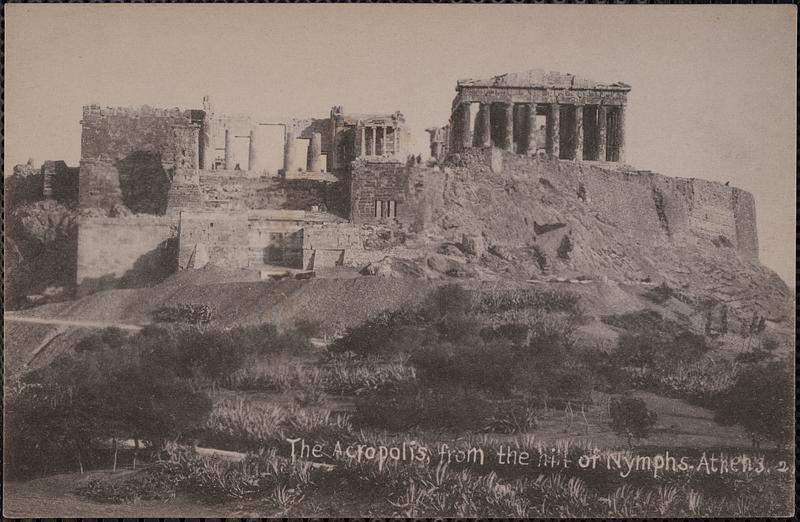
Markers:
713,86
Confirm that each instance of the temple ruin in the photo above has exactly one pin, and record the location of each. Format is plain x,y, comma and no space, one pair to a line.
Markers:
561,115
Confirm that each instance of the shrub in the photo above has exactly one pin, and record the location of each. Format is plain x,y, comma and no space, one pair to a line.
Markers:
190,313
144,486
497,301
631,419
81,398
762,401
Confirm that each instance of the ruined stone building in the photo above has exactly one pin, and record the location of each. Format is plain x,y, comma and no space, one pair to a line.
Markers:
565,116
162,190
229,190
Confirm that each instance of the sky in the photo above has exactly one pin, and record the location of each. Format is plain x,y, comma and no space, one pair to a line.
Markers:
714,87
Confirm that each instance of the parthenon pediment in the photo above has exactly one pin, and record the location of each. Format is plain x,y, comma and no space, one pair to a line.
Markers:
538,78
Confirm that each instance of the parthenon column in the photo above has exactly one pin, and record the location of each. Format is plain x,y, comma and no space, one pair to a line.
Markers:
578,133
229,161
314,151
483,126
395,140
466,119
601,132
621,134
288,154
363,141
508,138
553,134
530,144
384,141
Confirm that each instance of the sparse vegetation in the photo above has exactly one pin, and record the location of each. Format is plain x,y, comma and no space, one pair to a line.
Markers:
190,313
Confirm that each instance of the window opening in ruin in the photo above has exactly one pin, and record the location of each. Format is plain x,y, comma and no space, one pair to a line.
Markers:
385,209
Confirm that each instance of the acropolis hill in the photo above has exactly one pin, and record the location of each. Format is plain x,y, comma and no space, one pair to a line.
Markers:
527,181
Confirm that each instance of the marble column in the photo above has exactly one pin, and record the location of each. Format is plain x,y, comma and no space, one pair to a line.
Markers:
602,133
363,141
230,163
621,134
578,136
253,161
530,144
395,140
483,126
206,145
289,167
553,133
508,138
314,152
466,131
373,144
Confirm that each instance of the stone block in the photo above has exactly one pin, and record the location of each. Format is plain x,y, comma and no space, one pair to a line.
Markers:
473,244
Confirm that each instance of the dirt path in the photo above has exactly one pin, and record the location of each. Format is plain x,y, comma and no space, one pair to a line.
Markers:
72,322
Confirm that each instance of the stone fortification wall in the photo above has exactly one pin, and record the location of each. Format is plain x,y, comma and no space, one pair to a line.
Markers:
126,154
113,133
650,206
415,191
331,245
234,191
218,238
124,252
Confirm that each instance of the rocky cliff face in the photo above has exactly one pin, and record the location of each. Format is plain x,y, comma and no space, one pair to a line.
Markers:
566,218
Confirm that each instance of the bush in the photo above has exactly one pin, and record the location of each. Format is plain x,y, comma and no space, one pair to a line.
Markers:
81,398
493,302
631,419
762,401
144,486
190,313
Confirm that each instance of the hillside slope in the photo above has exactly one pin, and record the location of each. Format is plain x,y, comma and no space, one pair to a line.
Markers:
696,236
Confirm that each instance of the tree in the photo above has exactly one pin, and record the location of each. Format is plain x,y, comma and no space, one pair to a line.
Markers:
631,419
107,390
762,401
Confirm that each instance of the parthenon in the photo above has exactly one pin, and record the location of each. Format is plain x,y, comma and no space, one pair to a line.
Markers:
569,117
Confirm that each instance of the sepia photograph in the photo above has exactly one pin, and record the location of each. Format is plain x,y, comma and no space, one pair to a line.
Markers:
399,261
